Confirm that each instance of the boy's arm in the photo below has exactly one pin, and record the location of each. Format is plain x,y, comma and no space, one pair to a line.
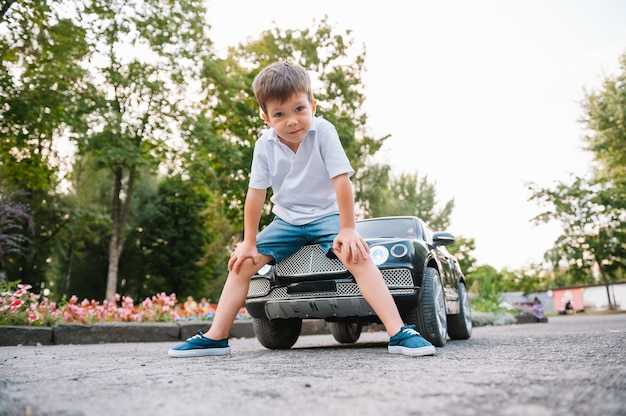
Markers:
255,198
348,242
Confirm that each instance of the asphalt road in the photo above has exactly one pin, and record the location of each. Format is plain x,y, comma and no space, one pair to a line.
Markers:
572,365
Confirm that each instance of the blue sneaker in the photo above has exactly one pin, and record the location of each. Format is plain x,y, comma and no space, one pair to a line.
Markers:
199,346
409,342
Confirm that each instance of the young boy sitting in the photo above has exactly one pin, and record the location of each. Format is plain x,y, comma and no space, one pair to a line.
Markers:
301,158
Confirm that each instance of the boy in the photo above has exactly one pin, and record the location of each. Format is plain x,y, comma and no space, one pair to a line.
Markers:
302,159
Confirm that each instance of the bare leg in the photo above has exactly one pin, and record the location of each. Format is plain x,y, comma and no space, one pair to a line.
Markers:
376,293
233,297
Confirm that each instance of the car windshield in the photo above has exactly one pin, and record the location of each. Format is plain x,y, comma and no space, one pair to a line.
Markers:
389,228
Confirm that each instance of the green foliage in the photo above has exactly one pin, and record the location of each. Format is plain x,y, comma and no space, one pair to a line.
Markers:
605,119
593,230
405,194
169,243
592,212
485,289
462,249
135,124
40,90
42,100
526,281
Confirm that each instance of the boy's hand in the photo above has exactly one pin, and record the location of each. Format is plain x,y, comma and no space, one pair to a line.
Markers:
243,251
350,245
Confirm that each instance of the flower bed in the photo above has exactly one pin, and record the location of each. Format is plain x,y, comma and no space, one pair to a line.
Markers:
20,306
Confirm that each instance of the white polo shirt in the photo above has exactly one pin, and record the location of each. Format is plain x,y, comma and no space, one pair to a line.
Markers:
301,182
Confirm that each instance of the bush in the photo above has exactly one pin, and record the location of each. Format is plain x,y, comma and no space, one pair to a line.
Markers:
491,318
487,311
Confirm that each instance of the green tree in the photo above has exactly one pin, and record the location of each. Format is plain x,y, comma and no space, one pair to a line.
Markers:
526,280
42,100
78,258
147,59
40,92
485,289
605,119
169,243
593,228
593,211
407,194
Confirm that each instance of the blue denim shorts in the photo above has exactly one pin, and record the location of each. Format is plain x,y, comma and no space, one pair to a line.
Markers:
281,239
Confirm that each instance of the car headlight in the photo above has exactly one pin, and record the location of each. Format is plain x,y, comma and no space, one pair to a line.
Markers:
399,250
379,254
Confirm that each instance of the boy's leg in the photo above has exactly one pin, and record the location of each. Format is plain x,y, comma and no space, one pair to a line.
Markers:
233,297
404,339
376,293
275,242
231,300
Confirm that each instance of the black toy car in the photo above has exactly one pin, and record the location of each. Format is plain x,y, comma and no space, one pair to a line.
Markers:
424,279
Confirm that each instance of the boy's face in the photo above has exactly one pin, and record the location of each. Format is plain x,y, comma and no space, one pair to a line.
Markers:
291,119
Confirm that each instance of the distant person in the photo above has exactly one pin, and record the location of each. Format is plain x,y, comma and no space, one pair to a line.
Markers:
190,305
301,158
204,306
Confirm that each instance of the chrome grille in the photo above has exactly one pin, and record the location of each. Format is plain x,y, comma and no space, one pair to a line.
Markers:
258,287
307,261
399,281
398,277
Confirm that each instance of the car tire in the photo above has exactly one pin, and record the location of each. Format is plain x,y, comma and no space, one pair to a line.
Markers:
346,332
460,325
277,334
430,313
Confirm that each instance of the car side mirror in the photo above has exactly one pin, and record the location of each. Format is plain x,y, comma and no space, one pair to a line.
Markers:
441,238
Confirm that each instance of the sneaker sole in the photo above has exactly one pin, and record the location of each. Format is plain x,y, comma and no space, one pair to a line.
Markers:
198,352
413,352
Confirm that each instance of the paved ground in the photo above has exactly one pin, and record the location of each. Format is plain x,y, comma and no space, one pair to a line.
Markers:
572,365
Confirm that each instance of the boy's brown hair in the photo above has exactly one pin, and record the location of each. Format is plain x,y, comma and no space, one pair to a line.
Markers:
279,81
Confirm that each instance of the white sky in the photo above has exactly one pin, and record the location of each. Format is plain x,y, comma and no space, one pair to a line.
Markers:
479,96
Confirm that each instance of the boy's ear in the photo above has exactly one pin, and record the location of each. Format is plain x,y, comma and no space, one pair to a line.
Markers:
265,117
313,106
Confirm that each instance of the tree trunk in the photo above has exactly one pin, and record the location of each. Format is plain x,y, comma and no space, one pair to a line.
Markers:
120,220
606,284
114,259
68,270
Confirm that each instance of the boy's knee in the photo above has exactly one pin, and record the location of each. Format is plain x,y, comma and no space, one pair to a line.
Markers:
249,266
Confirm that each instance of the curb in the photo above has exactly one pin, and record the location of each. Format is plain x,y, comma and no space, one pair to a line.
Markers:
121,332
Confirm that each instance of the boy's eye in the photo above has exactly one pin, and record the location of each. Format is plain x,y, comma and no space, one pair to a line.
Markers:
300,108
276,115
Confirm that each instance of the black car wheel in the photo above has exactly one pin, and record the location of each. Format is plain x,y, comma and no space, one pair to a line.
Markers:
430,313
346,332
460,325
277,334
